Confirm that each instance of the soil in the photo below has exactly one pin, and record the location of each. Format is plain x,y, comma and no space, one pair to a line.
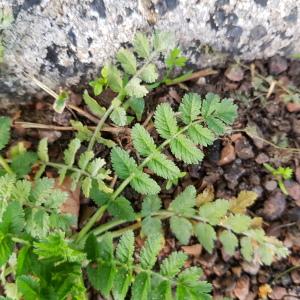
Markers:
231,164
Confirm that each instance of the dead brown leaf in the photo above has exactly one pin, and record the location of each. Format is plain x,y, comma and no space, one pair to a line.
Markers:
207,195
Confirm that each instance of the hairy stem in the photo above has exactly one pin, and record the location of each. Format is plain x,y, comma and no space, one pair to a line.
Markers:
5,166
99,127
97,216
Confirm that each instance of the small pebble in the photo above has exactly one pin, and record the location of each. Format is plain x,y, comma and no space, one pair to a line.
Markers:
277,65
293,107
262,158
243,149
293,189
227,155
251,268
296,126
52,136
278,293
234,73
270,185
274,206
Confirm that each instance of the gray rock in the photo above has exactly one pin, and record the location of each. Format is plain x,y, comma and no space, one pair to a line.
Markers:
64,42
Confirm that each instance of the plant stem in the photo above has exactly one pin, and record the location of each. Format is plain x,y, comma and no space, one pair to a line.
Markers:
99,127
60,166
285,272
98,214
5,166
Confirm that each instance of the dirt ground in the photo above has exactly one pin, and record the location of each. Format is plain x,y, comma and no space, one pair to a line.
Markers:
232,164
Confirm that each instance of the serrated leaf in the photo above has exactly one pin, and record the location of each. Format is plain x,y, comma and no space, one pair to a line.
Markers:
181,228
151,226
56,248
141,287
142,140
70,152
163,167
22,163
175,59
121,208
122,282
134,88
138,106
85,158
42,189
172,265
242,202
86,186
151,204
217,113
184,149
122,163
163,291
229,241
114,79
165,121
184,203
118,116
43,150
127,60
102,277
247,248
266,255
238,223
216,125
6,248
144,184
190,107
206,236
213,212
141,45
12,219
189,286
125,248
201,135
163,41
21,191
95,166
149,74
150,250
226,111
37,222
5,124
28,287
93,105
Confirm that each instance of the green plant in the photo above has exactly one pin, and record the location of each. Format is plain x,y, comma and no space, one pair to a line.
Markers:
46,260
280,174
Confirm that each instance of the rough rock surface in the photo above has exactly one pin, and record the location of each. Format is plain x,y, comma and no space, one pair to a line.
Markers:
63,42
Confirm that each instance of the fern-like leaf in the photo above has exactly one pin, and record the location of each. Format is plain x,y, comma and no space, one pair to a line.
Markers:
165,121
122,163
